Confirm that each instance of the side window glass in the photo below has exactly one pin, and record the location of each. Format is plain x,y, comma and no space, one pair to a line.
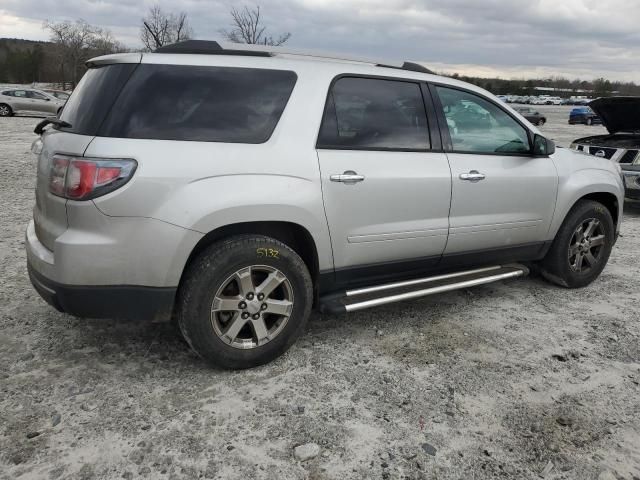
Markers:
19,93
477,125
366,113
8,93
35,95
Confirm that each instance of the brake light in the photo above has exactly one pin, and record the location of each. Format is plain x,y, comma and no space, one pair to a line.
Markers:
87,178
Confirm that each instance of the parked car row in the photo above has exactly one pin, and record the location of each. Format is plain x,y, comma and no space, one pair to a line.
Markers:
543,100
29,100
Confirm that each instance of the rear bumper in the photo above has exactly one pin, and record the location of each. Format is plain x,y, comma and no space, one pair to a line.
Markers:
93,301
110,301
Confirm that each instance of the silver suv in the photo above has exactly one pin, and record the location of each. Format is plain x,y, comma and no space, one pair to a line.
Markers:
233,188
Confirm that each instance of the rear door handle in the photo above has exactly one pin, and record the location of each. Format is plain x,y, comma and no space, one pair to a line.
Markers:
472,176
347,177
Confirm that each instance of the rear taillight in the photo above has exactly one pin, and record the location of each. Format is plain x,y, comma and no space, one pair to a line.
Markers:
87,178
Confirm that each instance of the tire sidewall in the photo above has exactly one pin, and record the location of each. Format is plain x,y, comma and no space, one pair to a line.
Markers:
216,265
558,259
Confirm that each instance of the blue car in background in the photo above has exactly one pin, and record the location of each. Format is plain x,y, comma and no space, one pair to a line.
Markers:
584,115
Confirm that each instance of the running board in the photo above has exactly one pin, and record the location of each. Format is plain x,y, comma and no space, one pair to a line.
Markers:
361,298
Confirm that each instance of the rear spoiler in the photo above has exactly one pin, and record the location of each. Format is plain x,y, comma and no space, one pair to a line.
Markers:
114,58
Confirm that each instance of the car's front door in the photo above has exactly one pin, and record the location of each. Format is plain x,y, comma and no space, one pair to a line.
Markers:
40,103
503,198
386,190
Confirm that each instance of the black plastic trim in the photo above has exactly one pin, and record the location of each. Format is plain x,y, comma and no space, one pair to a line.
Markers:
130,302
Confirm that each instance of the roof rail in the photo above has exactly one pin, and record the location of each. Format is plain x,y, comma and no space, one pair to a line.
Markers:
211,47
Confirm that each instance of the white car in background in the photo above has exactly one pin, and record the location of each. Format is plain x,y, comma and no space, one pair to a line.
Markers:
21,100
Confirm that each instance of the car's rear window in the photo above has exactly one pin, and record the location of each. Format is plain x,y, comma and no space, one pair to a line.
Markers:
93,97
209,104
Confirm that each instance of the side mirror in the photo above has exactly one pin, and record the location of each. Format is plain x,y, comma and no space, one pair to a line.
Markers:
543,147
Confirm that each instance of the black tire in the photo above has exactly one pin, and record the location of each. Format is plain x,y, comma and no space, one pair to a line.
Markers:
589,121
211,270
541,122
5,110
557,265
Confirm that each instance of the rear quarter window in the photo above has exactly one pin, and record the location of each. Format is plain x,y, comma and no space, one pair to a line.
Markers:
194,103
93,97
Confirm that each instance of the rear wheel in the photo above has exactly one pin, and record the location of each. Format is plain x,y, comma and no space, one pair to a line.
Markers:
582,246
5,110
244,301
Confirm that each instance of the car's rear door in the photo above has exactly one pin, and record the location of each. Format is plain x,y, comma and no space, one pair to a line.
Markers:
386,182
503,198
20,100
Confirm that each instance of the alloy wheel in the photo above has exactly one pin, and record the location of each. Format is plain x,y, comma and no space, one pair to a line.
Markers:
586,245
252,306
4,111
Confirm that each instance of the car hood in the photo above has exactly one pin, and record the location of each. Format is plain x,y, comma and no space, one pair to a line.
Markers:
618,114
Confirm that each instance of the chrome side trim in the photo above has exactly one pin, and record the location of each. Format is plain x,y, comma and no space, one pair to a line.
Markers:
408,283
430,291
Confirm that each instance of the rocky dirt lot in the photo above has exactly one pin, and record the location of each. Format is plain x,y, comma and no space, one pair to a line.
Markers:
512,380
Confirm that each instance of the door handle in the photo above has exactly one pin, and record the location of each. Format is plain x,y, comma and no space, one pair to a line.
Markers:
348,177
472,176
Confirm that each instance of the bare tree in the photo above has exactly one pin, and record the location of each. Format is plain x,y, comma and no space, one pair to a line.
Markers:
247,28
161,28
104,43
76,42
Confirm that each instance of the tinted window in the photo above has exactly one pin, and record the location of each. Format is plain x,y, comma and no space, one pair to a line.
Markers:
35,95
364,113
477,125
93,96
210,104
19,93
8,93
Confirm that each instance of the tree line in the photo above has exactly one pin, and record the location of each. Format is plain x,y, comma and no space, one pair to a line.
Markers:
72,43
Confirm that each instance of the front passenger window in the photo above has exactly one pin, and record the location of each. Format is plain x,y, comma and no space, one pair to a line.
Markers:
477,125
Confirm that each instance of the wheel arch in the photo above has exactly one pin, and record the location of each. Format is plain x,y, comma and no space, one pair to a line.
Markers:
294,235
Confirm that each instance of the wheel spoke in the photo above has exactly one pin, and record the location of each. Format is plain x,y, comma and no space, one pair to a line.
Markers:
259,329
590,259
597,241
579,258
573,250
273,280
235,325
593,224
226,304
579,234
279,307
245,281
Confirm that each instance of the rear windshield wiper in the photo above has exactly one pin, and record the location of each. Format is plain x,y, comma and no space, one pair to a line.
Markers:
50,120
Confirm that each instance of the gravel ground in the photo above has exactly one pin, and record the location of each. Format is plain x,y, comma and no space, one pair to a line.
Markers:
511,380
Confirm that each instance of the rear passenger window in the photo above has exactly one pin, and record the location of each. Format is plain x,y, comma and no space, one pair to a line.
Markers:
208,104
371,114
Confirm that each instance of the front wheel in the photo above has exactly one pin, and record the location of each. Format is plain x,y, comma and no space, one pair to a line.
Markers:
589,121
5,110
244,301
541,122
582,246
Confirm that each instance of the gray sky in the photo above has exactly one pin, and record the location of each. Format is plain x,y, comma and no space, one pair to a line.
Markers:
509,38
